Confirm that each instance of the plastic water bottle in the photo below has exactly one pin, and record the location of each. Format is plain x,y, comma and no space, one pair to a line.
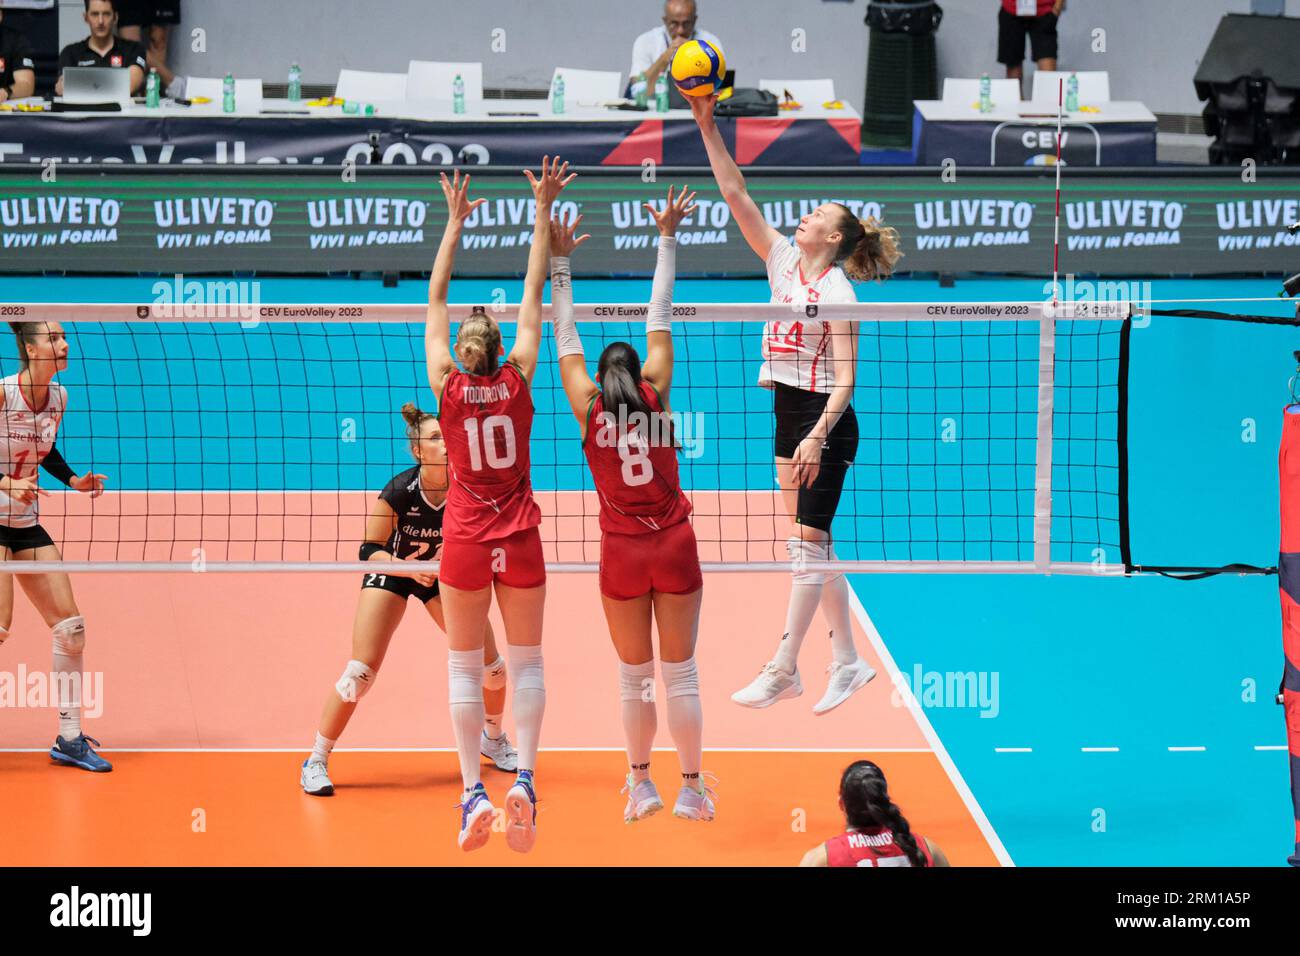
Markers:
152,88
228,94
661,93
986,94
458,95
557,94
295,84
1072,93
639,86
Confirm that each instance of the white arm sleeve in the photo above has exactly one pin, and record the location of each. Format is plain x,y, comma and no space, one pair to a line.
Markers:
566,331
660,315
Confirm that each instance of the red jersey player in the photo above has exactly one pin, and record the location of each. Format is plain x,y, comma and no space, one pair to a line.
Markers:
649,564
876,832
490,537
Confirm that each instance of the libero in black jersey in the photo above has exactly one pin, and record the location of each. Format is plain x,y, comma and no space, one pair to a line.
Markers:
403,538
416,535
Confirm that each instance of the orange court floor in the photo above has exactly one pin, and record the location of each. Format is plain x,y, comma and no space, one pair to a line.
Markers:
209,687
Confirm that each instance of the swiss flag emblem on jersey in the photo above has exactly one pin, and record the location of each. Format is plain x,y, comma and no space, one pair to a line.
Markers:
115,60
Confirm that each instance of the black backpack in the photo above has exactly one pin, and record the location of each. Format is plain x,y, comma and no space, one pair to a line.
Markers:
747,102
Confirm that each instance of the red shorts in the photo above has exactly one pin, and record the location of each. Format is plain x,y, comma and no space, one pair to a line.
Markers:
633,565
515,561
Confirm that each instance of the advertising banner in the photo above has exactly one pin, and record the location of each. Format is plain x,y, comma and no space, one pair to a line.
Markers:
205,221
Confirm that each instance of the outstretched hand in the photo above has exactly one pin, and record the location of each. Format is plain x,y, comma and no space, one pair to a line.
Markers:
702,109
563,241
456,192
552,181
674,212
89,482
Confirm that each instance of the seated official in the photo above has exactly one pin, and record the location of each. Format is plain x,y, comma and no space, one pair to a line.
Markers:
102,47
17,69
653,51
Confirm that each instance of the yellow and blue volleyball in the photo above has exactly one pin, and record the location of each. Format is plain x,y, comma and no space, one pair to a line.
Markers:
698,68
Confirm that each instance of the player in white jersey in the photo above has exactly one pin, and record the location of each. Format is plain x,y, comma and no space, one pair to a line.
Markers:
809,364
33,407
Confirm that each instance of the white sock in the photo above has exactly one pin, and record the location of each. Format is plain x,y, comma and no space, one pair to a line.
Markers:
640,721
685,717
465,692
320,751
835,608
529,701
805,595
68,671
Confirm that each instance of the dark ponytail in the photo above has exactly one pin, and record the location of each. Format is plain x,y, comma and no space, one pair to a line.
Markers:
867,805
620,384
25,332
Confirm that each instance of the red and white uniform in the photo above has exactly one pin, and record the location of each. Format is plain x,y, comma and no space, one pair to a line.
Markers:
647,543
874,847
798,351
490,528
26,438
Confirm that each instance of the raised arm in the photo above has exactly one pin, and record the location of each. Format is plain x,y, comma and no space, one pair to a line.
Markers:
731,181
528,339
437,325
657,369
578,386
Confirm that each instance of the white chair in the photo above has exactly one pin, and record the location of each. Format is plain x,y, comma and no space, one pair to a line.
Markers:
369,87
587,87
1094,87
427,80
807,92
248,93
958,91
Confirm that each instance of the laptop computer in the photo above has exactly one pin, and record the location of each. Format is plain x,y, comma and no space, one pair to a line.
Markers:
94,85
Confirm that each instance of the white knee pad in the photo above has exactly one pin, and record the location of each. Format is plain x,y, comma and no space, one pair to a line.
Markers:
832,556
637,681
801,552
494,674
355,682
681,678
526,667
465,677
70,636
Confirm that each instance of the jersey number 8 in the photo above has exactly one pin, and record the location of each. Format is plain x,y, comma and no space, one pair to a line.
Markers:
498,430
635,455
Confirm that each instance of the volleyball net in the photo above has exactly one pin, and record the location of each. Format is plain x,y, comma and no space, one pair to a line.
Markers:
993,436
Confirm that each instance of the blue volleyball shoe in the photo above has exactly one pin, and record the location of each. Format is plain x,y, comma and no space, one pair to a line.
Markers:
521,814
78,753
476,813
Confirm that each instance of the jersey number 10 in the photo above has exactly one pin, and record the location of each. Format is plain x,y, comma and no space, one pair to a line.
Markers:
495,444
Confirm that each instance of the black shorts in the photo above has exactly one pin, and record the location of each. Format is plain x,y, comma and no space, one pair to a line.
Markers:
797,411
402,586
1012,31
24,539
140,13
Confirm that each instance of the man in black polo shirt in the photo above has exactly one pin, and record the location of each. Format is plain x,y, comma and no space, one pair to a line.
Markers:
102,48
17,70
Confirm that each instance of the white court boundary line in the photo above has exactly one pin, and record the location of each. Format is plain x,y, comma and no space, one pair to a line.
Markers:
936,745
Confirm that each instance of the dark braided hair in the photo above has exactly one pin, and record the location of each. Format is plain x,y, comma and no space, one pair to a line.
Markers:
867,805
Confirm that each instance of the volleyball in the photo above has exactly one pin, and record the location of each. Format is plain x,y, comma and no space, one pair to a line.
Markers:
698,67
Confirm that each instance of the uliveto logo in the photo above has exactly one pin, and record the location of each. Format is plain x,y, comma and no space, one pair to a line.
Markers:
103,909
